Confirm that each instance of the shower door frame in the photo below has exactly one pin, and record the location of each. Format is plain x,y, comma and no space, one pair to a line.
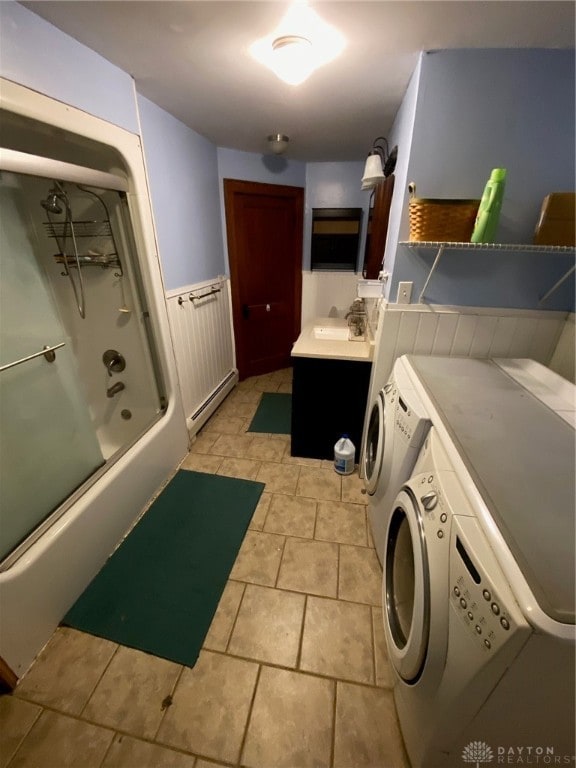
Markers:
39,588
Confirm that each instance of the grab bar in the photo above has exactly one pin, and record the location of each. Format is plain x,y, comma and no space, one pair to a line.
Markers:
47,352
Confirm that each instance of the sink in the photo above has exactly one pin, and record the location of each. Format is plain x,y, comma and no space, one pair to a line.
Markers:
331,333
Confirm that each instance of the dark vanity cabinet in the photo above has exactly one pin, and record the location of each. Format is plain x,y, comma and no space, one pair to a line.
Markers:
328,400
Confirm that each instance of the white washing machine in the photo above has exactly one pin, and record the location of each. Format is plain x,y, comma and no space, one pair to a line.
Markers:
398,423
557,393
479,576
397,426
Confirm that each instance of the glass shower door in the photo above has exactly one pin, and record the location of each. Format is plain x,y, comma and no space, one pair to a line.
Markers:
48,444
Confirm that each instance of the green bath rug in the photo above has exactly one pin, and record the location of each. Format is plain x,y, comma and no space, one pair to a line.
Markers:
159,590
274,414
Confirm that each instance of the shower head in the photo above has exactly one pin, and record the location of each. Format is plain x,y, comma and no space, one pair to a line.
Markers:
51,203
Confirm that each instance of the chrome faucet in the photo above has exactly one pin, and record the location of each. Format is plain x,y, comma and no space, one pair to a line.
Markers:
356,317
115,388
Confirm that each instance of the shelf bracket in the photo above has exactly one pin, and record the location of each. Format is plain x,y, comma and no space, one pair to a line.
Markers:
557,285
436,260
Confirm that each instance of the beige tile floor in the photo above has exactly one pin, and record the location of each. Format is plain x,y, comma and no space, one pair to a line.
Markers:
293,672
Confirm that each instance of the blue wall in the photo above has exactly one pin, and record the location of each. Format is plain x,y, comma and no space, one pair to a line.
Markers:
477,110
401,136
183,171
181,165
334,185
36,54
464,113
250,166
327,185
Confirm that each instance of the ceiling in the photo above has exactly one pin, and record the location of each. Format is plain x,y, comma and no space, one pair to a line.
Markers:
191,58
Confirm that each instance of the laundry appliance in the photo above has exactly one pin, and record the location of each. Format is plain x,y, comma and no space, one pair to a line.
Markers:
397,426
478,584
553,390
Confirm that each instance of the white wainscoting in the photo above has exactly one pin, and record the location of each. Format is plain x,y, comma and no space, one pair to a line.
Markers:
465,332
201,322
562,360
424,329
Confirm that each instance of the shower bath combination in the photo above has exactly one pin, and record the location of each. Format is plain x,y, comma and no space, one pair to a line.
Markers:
69,415
80,456
56,203
71,398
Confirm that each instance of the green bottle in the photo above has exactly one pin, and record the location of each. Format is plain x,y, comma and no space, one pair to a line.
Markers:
489,208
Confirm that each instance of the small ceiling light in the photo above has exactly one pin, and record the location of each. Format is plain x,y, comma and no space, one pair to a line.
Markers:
301,43
278,143
379,164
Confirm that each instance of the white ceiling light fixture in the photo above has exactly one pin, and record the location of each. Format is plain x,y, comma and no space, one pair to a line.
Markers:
301,43
379,164
278,143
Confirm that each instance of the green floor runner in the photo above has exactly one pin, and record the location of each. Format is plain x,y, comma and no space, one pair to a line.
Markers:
159,590
274,414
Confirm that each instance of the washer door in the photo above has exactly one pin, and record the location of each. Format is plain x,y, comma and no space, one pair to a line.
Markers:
406,589
374,447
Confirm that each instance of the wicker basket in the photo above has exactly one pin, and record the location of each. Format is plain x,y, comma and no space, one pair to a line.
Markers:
441,220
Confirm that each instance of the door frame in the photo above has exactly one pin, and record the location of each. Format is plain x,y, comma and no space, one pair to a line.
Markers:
231,188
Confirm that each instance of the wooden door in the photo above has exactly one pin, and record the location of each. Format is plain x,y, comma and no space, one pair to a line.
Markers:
264,225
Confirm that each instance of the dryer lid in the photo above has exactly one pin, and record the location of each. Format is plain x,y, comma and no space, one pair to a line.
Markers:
521,455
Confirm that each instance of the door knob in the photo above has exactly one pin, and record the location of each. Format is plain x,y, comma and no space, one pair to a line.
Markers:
267,307
245,311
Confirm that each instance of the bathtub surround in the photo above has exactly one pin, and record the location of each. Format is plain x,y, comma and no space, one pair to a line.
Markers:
160,589
37,590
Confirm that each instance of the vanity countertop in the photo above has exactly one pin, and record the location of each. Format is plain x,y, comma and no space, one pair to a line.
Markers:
309,344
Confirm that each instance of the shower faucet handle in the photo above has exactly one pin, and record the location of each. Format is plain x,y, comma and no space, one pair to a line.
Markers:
114,361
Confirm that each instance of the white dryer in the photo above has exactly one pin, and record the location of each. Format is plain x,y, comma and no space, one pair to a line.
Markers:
479,576
397,426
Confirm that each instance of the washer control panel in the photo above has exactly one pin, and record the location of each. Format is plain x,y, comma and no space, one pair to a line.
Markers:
478,590
431,500
409,424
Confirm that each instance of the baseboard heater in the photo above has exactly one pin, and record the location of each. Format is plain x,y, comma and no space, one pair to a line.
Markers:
203,413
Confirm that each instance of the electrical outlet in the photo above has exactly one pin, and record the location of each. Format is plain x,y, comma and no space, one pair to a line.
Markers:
404,293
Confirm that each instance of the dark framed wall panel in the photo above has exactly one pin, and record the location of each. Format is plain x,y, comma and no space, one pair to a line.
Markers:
335,238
